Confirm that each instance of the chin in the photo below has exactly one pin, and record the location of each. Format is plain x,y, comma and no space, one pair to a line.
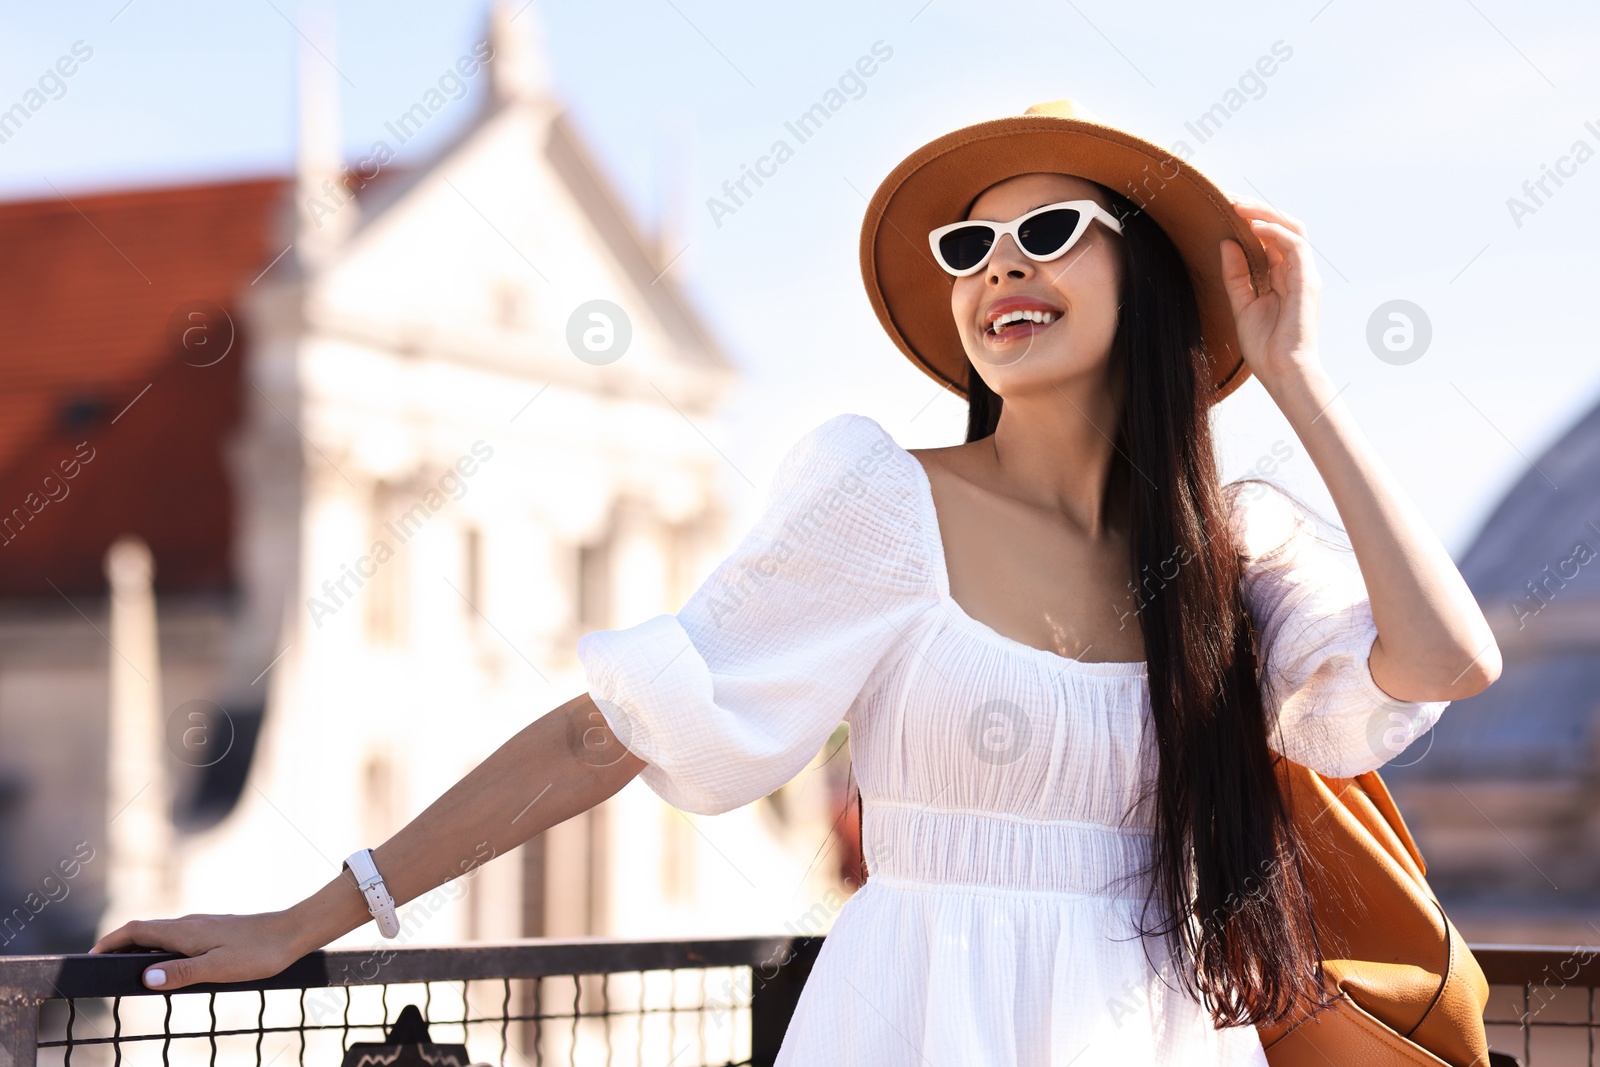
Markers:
1027,369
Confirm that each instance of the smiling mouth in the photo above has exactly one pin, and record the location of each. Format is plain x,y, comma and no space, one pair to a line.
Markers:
1020,324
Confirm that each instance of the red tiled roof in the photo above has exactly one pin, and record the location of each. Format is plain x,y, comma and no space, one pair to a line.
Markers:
86,292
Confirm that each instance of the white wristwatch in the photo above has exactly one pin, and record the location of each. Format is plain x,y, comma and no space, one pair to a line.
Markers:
370,882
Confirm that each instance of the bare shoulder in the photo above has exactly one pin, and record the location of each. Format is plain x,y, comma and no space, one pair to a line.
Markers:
957,461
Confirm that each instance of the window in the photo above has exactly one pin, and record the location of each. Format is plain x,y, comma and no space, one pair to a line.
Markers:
510,306
677,854
386,599
472,583
593,594
378,796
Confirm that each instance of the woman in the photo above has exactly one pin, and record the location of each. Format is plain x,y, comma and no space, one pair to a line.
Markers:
1067,653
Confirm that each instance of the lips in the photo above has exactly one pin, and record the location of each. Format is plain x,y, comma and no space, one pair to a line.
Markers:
1018,317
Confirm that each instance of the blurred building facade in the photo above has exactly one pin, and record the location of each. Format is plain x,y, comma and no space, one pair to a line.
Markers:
365,493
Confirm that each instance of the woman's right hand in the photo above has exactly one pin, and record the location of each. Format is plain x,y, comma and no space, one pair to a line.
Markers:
560,765
217,948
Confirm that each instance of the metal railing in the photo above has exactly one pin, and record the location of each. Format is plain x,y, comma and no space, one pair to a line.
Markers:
1542,1003
714,1001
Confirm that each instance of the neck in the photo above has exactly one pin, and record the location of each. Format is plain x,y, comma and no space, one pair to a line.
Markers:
1052,448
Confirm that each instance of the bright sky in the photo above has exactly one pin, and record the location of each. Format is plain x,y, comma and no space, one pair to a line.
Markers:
1397,132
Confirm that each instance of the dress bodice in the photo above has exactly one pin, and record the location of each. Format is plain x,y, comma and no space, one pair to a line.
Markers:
1006,789
836,607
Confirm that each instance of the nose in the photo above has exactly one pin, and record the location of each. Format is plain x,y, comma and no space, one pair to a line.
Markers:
1008,262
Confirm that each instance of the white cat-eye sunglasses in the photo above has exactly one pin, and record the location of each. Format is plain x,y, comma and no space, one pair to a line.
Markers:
1043,234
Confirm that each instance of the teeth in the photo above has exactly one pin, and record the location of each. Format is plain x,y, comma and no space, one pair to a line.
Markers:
1023,316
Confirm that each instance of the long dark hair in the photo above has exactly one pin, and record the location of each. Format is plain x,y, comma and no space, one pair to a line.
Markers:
1227,869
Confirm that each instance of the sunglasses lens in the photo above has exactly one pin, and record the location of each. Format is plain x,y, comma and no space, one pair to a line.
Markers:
965,248
1044,234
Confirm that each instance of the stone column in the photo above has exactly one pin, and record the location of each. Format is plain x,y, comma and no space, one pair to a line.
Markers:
139,818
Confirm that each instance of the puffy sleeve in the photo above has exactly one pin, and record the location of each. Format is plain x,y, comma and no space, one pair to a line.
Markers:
1315,632
731,697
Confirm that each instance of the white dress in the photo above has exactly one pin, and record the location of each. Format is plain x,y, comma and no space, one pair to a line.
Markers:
999,780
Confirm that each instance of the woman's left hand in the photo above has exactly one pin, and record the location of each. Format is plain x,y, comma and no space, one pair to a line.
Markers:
1277,328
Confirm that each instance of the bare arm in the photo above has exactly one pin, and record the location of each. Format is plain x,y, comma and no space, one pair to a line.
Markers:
1433,641
561,765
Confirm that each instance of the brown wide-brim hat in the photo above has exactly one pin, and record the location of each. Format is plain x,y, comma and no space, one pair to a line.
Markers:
938,182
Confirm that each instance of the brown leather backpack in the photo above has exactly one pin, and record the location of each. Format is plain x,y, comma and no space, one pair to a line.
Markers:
1408,989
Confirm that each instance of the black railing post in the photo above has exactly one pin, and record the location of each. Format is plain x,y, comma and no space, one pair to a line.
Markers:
19,1030
774,991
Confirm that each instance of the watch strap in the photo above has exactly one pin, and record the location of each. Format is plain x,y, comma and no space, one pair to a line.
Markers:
379,903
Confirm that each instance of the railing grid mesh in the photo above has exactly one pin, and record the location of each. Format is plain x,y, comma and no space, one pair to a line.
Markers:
594,1002
680,1017
1545,1023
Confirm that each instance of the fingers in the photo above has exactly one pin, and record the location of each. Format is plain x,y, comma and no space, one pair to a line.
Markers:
1251,208
188,936
116,941
170,974
1283,238
210,948
175,974
1236,276
1258,214
139,934
1276,236
1288,256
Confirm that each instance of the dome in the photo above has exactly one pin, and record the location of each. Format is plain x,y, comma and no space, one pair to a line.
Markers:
1535,570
